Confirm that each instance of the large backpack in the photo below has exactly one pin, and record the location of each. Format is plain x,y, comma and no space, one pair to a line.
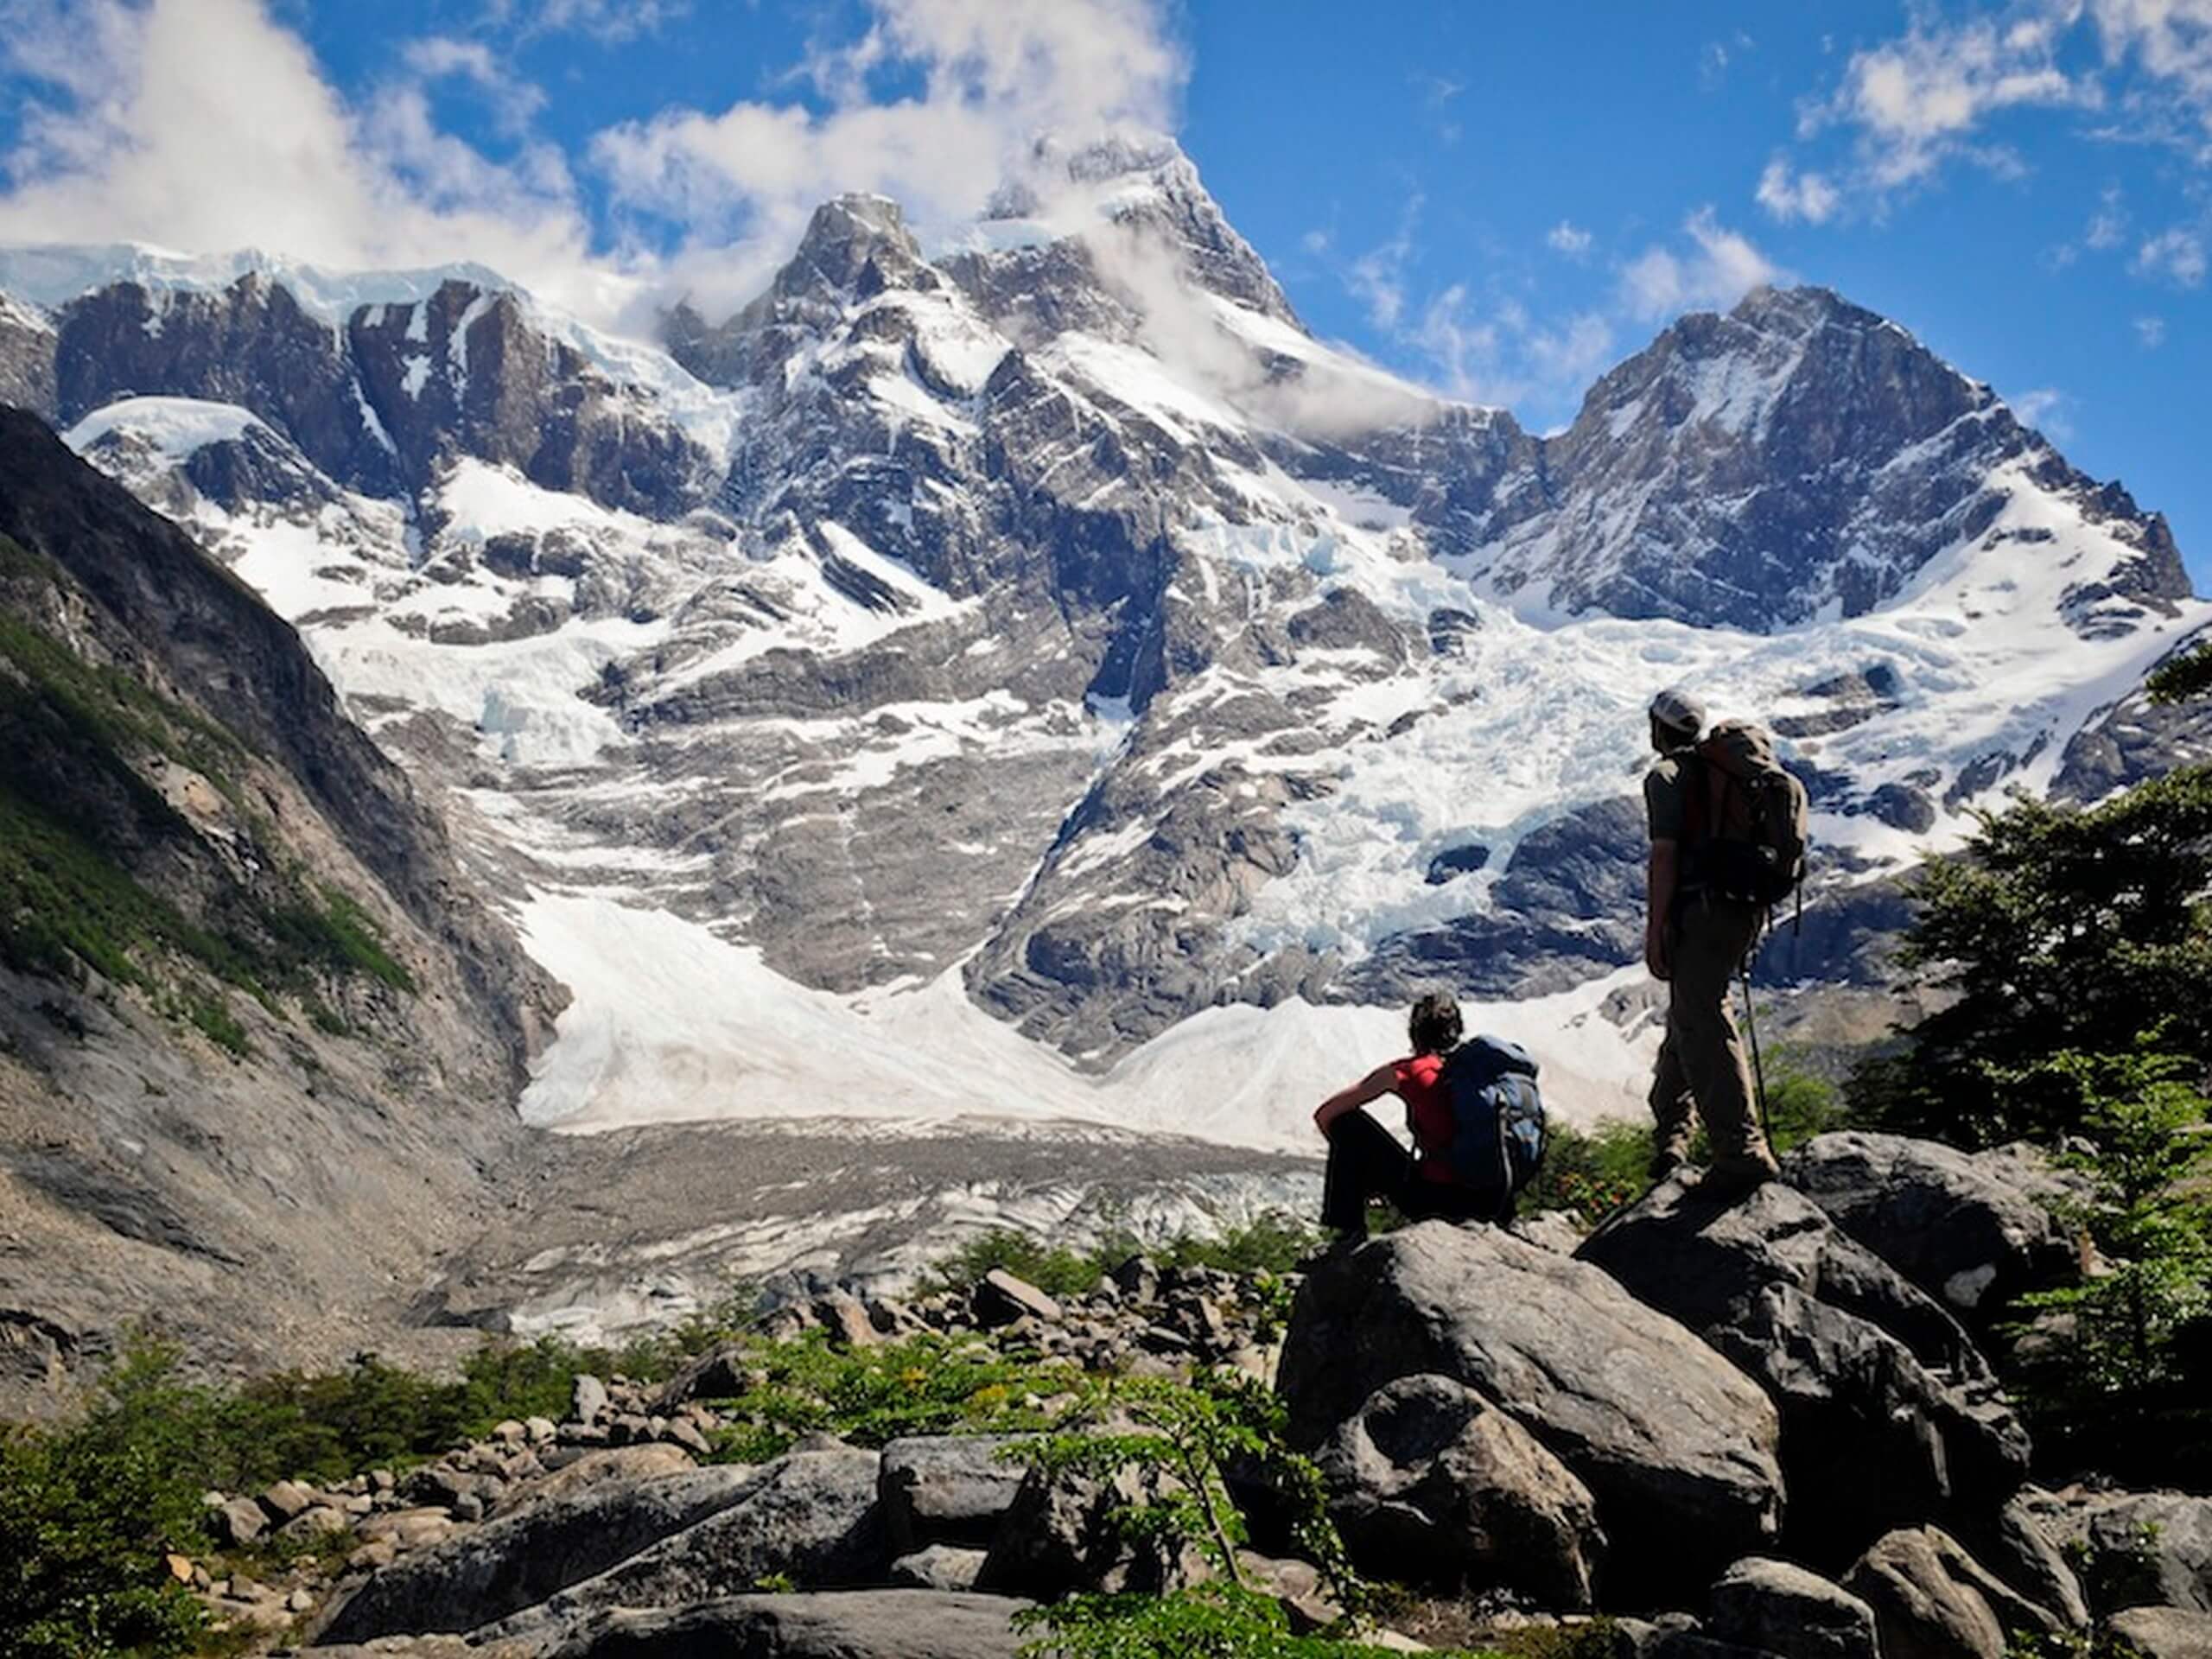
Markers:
1746,823
1498,1121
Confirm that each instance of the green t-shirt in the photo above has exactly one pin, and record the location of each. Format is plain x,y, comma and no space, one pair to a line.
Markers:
1666,795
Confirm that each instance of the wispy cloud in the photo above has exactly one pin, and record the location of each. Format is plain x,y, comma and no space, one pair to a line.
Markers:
1377,277
1719,268
1569,238
605,19
2175,255
1788,196
2150,332
2044,408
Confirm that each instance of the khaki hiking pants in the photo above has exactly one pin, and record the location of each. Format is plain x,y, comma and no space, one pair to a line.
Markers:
1701,1063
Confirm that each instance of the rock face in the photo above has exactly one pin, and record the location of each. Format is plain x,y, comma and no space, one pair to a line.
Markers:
948,1489
2166,1632
265,956
2142,1550
1431,1484
1676,1446
1888,1415
1974,1231
1932,1600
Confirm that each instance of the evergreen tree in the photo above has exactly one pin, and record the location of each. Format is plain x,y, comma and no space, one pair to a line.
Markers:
2061,929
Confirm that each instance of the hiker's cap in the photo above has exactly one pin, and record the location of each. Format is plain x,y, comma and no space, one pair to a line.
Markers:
1679,711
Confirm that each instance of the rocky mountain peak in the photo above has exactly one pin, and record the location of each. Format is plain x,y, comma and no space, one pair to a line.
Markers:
855,245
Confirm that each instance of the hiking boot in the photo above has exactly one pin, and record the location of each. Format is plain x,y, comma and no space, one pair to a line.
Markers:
1738,1174
1665,1162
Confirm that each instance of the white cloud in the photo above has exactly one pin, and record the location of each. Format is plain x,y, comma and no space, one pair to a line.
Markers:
2043,409
2151,332
146,135
1789,197
1568,238
742,183
1377,277
605,19
1723,267
1918,102
2109,225
2177,255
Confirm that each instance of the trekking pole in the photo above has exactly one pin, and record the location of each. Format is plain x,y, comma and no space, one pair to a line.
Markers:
1758,1067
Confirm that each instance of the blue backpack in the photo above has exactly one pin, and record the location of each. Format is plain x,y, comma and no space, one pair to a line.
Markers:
1497,1119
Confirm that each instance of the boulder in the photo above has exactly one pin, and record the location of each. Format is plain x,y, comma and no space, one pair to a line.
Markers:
1932,1600
239,1521
720,1374
1890,1416
1775,1608
2163,1632
1432,1484
1676,1446
488,1572
1000,1298
2143,1550
1972,1229
845,1624
940,1566
1058,1538
947,1489
610,1466
811,1517
287,1501
2024,1546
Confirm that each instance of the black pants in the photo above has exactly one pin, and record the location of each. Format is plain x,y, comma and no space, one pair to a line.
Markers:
1366,1164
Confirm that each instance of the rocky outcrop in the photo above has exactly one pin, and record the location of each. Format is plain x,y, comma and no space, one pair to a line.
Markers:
1676,1446
2165,1632
1888,1415
1932,1600
1975,1231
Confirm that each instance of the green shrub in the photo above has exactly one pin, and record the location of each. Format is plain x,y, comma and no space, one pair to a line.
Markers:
1274,1242
926,1384
1593,1171
87,1514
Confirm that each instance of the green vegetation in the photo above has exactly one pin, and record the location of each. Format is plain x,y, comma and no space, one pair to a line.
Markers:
2121,1373
2185,677
926,1384
2057,932
1182,1439
1272,1243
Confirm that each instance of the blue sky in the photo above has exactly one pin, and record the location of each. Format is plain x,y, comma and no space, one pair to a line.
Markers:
1499,201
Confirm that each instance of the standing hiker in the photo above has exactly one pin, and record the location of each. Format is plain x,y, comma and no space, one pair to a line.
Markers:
1475,1116
1727,841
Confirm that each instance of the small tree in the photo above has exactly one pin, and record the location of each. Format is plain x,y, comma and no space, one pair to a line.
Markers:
2117,1360
2056,931
2183,677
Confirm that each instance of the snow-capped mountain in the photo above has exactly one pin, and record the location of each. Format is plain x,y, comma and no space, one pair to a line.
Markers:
1046,634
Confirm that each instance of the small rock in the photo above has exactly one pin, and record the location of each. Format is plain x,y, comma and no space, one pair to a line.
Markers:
240,1521
509,1433
940,1566
541,1431
320,1521
286,1500
300,1601
1000,1298
685,1433
180,1567
377,1553
587,1399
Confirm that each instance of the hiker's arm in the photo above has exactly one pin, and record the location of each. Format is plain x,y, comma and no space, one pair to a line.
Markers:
1375,1084
1666,866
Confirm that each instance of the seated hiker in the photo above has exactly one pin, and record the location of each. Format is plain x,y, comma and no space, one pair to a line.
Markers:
1366,1163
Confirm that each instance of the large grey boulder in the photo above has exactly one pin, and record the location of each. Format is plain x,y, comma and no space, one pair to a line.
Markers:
1890,1416
2163,1632
811,1517
1060,1537
1776,1608
947,1489
840,1625
2025,1546
2138,1549
488,1572
1932,1600
1430,1484
1975,1231
1675,1444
